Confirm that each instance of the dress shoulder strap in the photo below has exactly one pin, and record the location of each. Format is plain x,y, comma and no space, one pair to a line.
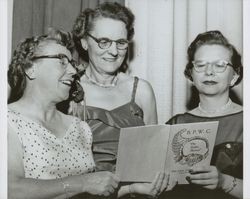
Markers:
136,79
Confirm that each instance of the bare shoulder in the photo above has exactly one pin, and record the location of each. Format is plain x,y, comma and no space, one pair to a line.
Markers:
144,88
144,84
125,78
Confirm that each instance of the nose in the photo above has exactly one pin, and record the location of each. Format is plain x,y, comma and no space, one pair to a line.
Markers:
71,69
209,69
113,49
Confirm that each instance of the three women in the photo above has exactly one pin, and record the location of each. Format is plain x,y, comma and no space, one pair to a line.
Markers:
214,66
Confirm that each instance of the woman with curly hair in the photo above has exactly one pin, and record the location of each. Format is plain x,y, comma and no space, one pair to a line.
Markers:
49,153
113,99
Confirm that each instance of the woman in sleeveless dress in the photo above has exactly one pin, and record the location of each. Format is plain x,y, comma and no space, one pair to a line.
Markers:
214,66
49,153
113,99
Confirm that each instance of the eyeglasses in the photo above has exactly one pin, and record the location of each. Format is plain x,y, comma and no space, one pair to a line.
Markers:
105,43
219,66
63,58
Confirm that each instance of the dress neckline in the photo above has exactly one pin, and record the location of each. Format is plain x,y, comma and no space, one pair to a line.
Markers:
213,117
47,131
115,108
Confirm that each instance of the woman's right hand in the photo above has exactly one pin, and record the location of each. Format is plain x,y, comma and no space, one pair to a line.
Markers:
101,183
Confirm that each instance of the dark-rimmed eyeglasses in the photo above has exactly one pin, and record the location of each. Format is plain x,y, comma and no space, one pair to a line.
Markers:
62,57
105,43
219,66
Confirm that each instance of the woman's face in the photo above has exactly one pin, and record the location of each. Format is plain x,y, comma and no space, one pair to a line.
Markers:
54,75
106,61
210,82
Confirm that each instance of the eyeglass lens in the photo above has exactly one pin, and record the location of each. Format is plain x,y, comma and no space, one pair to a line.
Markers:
105,43
218,66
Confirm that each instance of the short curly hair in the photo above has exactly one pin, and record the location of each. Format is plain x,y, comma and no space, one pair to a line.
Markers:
22,59
210,38
84,22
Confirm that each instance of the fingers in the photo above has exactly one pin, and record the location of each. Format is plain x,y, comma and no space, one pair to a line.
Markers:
114,180
203,182
156,179
208,184
159,184
202,176
203,173
159,181
165,182
202,169
208,177
110,183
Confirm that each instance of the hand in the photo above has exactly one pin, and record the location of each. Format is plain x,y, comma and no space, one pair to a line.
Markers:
154,189
100,183
207,177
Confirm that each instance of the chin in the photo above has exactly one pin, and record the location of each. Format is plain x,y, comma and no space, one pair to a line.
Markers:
64,97
111,68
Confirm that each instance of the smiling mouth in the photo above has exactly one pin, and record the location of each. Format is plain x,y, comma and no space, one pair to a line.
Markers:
110,59
209,82
67,82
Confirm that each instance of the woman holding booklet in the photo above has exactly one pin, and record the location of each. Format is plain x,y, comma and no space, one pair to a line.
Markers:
113,99
49,153
214,66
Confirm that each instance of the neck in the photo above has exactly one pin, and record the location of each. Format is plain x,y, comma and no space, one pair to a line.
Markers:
214,105
101,79
37,108
213,102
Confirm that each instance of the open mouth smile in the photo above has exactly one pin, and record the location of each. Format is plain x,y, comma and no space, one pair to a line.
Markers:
67,82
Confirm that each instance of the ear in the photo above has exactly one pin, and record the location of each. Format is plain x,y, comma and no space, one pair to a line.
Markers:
84,44
235,78
31,73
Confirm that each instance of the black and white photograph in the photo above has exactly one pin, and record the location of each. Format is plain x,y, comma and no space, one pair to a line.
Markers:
124,99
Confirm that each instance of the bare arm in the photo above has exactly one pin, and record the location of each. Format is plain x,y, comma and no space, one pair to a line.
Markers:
211,178
232,186
145,98
99,183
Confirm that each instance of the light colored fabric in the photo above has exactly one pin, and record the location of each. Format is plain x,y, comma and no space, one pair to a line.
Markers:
47,157
163,31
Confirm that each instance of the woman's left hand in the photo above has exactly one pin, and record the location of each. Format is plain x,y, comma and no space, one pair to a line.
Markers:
208,177
153,189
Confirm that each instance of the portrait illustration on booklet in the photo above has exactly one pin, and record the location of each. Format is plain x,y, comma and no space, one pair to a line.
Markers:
174,149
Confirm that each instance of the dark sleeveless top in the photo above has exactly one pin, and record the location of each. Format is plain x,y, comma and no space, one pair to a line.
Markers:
105,126
227,155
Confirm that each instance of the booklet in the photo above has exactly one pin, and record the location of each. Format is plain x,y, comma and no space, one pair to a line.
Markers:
143,151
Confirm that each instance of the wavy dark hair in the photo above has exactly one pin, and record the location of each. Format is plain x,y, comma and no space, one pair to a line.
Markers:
22,59
84,22
210,38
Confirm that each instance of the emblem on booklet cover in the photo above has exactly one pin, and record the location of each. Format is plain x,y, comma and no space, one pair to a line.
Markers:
189,150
